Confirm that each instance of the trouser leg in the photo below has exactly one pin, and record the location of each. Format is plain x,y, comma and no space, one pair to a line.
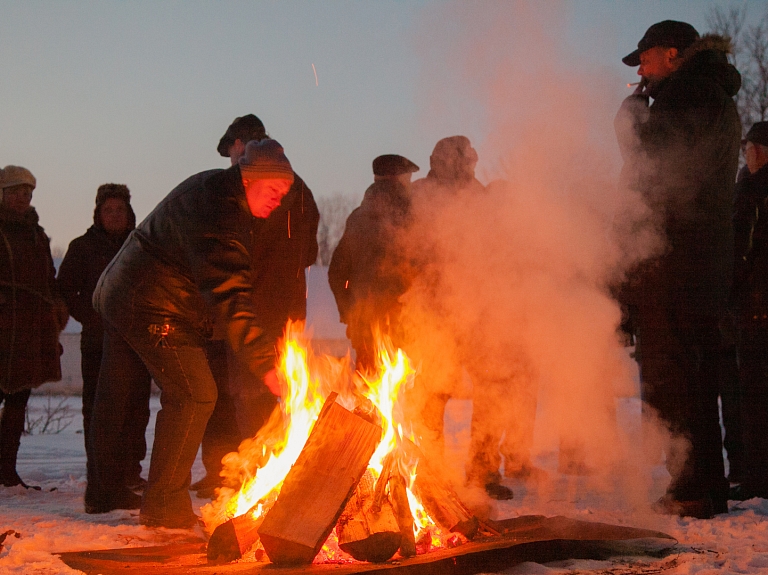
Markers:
222,434
111,409
11,428
254,403
90,364
679,373
187,399
138,413
486,431
753,357
730,397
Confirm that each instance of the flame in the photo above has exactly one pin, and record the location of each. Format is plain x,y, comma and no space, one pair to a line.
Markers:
306,381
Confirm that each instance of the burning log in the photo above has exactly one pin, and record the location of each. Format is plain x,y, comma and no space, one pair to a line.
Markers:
403,515
232,539
319,485
440,501
367,531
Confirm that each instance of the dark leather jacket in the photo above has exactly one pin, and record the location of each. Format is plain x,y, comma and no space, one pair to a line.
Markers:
201,259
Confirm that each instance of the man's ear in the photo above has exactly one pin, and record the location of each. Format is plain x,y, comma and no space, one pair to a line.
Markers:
671,54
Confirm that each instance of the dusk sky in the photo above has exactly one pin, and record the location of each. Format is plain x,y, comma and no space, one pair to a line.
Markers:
140,92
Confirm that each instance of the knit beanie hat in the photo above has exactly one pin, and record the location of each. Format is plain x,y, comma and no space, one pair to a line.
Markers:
16,175
265,160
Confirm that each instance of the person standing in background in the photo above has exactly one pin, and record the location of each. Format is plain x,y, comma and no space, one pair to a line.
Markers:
86,258
31,313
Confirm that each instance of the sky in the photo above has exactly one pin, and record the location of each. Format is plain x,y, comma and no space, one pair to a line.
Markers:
140,92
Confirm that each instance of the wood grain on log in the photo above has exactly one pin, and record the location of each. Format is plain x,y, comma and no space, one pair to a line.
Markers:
319,485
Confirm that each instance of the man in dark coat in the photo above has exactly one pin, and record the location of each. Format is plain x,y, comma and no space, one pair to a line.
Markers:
31,313
215,254
222,434
681,154
368,271
86,258
751,302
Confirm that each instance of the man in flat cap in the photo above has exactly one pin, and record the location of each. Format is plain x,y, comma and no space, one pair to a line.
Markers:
222,434
681,156
751,302
368,272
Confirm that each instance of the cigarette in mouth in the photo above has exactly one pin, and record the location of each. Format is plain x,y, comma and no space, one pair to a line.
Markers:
633,84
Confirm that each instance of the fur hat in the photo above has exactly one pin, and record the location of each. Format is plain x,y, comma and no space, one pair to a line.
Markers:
107,191
245,128
16,175
265,160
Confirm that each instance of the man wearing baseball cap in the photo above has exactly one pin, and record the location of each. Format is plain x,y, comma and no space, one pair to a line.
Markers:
681,155
750,223
213,256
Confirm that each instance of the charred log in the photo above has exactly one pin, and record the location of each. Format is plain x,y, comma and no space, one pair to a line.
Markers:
232,539
367,531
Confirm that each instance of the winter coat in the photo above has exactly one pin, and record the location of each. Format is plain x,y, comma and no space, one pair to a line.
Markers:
30,310
750,223
79,272
368,272
201,258
681,154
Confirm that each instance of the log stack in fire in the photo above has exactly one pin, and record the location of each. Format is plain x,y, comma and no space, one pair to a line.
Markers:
355,477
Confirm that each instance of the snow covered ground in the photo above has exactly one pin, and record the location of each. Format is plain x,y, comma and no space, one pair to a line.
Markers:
52,520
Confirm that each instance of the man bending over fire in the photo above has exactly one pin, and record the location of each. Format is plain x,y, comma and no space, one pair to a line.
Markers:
206,259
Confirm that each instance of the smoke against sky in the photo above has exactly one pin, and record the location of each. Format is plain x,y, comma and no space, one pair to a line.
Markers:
523,270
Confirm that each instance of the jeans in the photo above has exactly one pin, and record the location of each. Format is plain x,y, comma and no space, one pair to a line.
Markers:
179,365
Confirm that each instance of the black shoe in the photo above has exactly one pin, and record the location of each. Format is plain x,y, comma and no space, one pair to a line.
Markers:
123,498
498,491
13,479
137,484
186,522
743,492
704,508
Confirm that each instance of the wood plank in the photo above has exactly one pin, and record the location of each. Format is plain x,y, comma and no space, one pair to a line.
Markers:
531,538
319,485
232,539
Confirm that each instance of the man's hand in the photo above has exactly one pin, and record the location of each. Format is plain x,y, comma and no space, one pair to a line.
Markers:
271,381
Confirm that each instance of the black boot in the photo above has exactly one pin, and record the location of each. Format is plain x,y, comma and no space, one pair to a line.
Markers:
12,479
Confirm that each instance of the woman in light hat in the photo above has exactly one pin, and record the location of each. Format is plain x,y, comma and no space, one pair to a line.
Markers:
31,313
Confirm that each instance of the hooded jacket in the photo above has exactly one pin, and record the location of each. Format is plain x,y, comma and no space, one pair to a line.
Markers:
79,272
681,154
201,259
30,319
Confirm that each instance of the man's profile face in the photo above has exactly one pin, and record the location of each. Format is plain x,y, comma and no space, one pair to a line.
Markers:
265,195
657,63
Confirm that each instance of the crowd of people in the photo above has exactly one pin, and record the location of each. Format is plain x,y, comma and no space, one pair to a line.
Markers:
196,296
